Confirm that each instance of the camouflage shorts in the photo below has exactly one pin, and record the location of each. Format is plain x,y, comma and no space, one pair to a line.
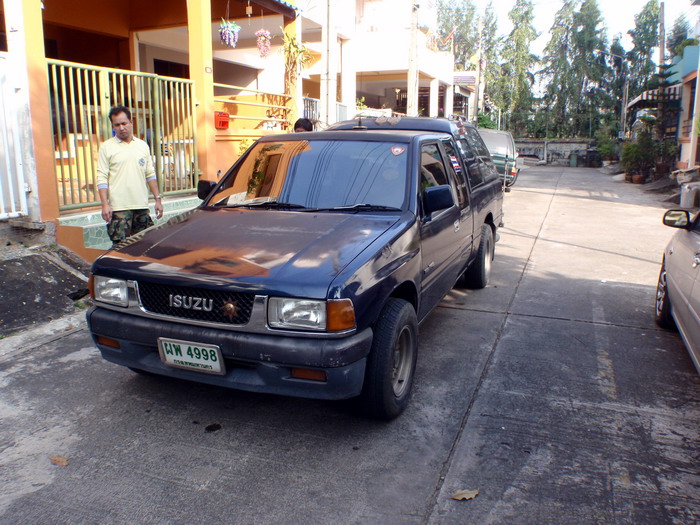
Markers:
126,223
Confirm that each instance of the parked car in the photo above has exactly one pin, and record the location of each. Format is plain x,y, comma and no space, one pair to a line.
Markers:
305,271
502,148
677,292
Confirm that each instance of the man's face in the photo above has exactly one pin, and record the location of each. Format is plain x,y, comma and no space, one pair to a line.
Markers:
123,127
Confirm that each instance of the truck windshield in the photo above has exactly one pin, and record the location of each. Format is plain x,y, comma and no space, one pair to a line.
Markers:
324,174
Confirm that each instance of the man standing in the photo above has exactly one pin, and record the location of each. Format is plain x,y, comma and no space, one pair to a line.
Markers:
124,175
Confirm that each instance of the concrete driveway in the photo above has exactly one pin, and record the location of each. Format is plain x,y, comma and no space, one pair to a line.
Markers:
551,392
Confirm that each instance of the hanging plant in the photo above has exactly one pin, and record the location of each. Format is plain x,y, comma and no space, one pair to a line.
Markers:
228,32
264,42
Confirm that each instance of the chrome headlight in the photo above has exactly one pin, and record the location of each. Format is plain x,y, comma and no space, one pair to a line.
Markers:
110,290
296,314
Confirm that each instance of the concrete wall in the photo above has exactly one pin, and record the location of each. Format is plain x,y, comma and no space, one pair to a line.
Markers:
552,149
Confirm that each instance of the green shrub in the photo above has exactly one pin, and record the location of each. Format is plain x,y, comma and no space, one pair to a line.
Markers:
484,121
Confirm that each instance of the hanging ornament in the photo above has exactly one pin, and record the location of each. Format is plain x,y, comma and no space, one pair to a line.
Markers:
264,42
228,32
249,11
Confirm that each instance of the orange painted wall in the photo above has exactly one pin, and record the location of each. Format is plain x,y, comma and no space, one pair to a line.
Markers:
109,18
88,48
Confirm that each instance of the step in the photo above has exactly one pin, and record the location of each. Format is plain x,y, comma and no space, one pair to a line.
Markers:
94,227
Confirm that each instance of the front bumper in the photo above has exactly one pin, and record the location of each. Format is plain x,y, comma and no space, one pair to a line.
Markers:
254,362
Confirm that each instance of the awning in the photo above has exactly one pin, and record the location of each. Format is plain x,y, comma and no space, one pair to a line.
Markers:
650,97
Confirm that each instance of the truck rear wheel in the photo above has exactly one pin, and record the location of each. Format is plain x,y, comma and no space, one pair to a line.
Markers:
478,274
391,362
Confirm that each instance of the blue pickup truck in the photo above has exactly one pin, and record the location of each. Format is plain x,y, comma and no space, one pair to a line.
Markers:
307,268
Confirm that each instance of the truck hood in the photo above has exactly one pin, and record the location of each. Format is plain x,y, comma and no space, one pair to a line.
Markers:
254,249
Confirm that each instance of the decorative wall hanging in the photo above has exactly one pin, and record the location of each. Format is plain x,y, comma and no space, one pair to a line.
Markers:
264,42
228,32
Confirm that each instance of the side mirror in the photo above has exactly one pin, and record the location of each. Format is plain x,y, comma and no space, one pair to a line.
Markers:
437,198
677,219
204,188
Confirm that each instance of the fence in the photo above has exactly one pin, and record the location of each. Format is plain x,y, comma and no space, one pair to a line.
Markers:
162,112
13,197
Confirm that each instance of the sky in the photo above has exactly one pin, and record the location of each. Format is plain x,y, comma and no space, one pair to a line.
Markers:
618,16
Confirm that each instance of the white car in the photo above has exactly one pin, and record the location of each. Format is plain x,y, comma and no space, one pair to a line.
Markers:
678,290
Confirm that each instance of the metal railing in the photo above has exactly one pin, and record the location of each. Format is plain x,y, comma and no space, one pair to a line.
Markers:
311,110
13,197
687,127
162,112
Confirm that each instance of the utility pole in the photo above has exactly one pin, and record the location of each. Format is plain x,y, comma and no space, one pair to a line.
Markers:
662,38
412,81
479,89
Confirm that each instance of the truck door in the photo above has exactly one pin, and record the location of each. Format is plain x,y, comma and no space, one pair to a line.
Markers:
457,169
441,236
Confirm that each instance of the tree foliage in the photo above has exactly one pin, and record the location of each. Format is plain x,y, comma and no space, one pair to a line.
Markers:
645,36
459,16
578,87
518,65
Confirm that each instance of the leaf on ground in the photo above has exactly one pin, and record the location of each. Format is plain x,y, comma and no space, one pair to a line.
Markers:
59,460
212,428
465,494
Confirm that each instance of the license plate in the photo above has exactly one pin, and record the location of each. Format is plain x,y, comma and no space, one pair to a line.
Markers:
191,356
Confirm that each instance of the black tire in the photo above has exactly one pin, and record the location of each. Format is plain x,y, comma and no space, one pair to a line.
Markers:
478,274
391,363
662,311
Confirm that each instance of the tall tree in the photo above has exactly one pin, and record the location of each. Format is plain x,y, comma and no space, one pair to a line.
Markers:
619,75
491,45
645,36
588,46
559,93
518,63
458,18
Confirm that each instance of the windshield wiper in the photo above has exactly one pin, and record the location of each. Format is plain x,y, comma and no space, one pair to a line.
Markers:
266,204
358,207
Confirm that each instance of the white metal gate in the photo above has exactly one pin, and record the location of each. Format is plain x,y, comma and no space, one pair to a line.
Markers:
13,198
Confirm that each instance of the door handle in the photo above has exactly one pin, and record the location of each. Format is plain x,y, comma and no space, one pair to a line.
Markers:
696,260
456,225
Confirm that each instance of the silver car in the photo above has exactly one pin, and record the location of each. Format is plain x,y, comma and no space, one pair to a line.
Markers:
678,291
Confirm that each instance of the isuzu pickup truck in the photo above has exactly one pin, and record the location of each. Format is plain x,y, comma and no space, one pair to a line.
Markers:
307,268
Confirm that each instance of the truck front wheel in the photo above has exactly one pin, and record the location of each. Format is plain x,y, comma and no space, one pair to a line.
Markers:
391,362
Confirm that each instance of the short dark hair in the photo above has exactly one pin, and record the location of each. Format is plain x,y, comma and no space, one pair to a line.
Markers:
304,124
119,109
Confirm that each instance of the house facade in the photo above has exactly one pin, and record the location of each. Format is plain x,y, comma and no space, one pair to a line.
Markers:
197,100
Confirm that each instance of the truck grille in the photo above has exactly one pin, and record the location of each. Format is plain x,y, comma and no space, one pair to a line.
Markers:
213,306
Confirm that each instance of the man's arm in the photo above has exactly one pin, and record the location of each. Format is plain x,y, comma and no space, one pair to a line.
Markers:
103,183
153,185
106,208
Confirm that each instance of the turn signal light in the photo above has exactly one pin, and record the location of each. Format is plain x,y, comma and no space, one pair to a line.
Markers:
340,315
108,342
309,373
91,286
